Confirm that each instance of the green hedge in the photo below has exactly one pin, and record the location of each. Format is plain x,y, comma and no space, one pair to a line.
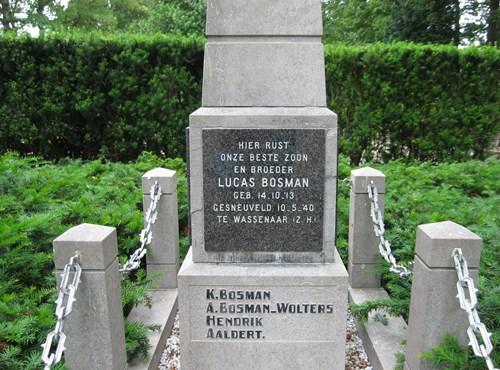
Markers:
421,102
89,96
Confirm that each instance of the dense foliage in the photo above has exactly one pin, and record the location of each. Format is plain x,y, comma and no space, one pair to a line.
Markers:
462,22
97,97
357,21
90,97
352,21
465,193
178,17
436,22
40,200
21,16
417,102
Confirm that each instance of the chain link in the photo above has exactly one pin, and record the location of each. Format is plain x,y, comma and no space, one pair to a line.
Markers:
64,306
146,234
378,226
468,301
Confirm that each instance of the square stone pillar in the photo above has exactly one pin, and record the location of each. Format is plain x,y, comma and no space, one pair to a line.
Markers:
163,253
435,309
363,243
95,328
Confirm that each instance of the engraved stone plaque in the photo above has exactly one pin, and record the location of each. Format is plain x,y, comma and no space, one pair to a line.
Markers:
263,189
257,314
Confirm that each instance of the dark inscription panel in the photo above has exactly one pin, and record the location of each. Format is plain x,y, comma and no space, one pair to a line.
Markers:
263,190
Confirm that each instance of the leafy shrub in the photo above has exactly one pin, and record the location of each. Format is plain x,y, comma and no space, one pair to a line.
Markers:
416,194
452,356
89,96
137,339
39,200
419,102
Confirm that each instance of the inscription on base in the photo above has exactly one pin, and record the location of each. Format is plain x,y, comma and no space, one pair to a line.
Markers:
246,314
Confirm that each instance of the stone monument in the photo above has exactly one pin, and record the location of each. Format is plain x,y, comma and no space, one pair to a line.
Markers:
262,285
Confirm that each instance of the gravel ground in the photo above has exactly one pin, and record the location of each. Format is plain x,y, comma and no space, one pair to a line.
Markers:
356,358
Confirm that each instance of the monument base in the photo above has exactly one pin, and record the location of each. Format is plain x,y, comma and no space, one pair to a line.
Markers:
262,316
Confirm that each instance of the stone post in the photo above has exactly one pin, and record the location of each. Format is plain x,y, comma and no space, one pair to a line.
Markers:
363,243
435,309
95,328
163,253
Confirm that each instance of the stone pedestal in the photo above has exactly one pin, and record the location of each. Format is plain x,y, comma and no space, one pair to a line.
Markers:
163,253
435,308
363,242
262,316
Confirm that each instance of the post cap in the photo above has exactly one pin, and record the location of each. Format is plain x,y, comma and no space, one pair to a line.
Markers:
361,177
437,241
96,245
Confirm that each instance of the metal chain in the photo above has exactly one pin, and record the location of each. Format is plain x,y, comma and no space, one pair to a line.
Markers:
378,226
146,234
468,301
65,299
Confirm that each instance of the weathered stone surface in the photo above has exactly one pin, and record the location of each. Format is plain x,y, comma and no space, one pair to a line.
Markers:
163,252
263,17
436,242
242,75
361,177
434,311
166,178
166,274
248,316
165,243
381,342
98,309
435,308
363,275
162,312
98,305
363,243
96,245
